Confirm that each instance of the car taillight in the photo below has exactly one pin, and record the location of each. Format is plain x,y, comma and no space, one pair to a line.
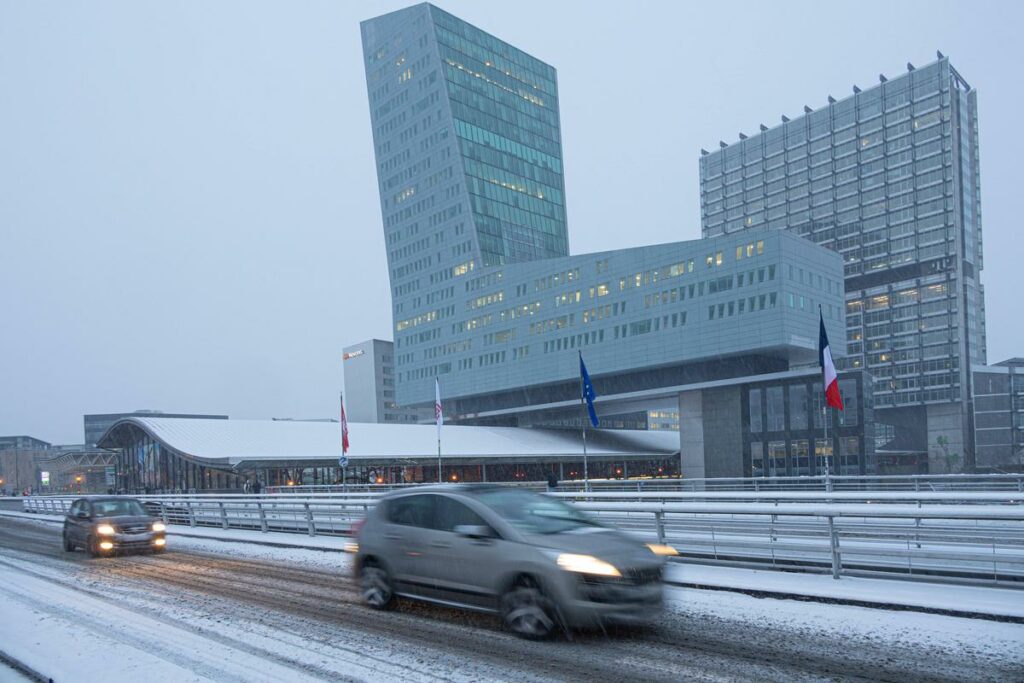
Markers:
357,526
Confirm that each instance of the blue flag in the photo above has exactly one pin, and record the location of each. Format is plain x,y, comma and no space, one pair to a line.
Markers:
588,392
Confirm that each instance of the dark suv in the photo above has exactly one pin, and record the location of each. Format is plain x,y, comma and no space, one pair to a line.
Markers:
108,525
537,561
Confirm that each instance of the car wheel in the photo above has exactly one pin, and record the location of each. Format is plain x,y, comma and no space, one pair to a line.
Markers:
526,611
68,545
376,587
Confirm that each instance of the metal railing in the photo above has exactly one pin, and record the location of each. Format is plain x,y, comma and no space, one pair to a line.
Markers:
966,537
910,482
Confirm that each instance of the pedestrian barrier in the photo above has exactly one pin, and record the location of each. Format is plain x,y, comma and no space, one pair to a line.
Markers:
959,536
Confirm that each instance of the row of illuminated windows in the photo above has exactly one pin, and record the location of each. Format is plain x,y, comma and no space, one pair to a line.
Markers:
472,75
939,290
486,300
492,105
481,161
491,51
778,460
476,134
551,219
428,317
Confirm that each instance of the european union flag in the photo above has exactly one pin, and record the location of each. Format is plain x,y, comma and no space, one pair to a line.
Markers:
588,392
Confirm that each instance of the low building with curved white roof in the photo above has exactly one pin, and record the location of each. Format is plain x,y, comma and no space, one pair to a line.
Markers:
180,454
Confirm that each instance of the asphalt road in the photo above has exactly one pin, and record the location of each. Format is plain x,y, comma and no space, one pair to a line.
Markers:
320,605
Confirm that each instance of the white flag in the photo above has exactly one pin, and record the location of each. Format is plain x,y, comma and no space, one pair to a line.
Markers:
438,413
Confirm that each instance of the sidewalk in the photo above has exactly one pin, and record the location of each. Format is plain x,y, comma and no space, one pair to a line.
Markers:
918,595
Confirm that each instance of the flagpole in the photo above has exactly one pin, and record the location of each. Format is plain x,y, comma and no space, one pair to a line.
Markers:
344,468
583,418
438,420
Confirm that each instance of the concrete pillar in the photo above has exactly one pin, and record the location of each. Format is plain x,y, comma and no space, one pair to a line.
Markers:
691,434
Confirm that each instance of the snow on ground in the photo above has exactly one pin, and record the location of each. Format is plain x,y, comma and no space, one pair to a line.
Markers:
930,595
72,636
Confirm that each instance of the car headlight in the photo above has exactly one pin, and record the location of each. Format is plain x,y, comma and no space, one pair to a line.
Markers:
659,549
586,564
105,530
159,526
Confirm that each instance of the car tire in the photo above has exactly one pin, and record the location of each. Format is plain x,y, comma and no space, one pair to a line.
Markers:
376,587
69,547
526,611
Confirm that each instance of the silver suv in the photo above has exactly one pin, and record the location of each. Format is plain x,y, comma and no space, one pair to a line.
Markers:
537,561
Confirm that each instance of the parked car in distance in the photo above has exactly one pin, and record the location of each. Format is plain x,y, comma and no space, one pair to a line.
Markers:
537,561
108,525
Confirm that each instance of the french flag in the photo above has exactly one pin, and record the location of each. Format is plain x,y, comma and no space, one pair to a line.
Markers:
828,369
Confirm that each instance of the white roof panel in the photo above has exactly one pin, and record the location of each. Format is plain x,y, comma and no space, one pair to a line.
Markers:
247,440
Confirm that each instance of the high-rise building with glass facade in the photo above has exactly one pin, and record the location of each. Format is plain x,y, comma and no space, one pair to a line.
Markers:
888,178
487,300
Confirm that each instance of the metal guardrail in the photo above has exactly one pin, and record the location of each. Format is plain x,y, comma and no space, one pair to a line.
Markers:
964,537
910,482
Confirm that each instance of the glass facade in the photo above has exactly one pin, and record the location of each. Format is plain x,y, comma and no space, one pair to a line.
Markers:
783,420
504,109
889,179
999,416
485,297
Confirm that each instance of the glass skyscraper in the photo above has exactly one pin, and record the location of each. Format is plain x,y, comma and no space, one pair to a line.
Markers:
455,107
888,178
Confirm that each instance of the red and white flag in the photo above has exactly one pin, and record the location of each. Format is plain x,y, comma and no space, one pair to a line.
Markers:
344,427
828,369
438,413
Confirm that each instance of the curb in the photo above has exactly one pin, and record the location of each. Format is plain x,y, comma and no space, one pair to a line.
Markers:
272,544
892,607
23,668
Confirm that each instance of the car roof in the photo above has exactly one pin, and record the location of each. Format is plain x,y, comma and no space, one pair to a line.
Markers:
97,499
464,489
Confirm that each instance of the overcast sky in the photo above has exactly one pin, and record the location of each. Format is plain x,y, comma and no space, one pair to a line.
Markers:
189,217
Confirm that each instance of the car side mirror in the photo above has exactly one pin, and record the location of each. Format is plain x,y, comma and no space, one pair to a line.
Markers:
82,514
474,531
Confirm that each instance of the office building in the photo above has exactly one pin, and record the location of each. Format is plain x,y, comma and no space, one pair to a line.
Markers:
22,442
370,385
887,178
998,417
486,298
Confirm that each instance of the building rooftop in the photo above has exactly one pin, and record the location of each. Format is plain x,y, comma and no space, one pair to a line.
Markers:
240,442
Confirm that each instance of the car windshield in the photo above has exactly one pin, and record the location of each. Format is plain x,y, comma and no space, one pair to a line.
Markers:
117,508
534,513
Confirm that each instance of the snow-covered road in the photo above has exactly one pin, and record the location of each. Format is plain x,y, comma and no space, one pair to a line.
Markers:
209,610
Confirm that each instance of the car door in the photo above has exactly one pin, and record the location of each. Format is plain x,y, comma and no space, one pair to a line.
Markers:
70,521
79,524
465,569
407,518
